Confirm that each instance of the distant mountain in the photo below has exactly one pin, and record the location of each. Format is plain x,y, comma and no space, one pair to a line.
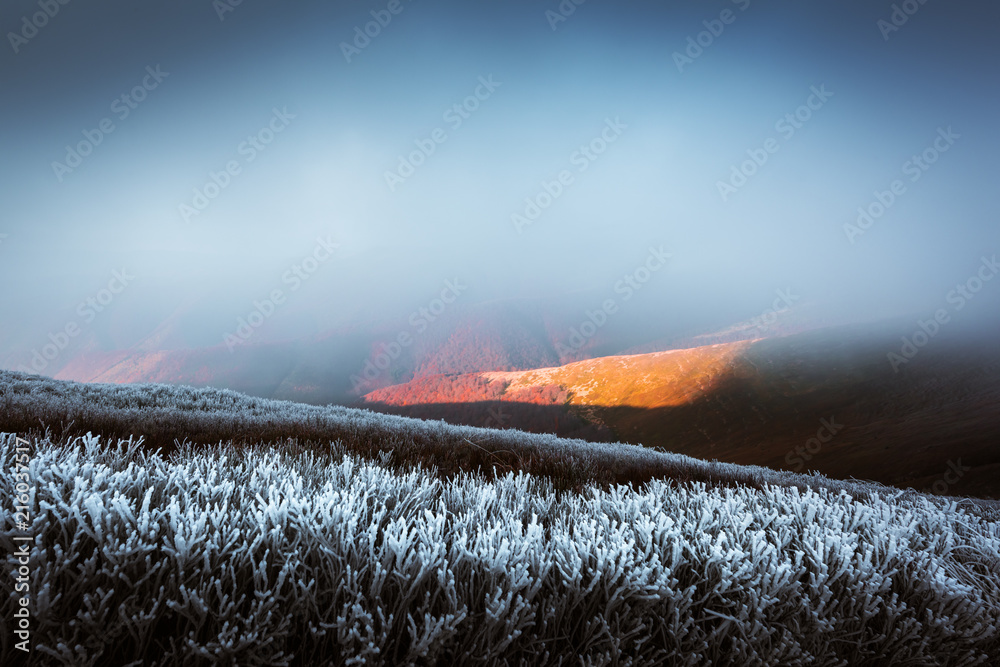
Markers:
825,400
491,337
337,366
412,361
342,364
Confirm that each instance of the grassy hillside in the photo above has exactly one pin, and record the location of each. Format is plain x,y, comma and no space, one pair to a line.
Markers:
761,403
272,556
165,416
285,534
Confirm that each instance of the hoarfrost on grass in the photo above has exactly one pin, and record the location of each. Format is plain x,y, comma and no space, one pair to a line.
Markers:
266,556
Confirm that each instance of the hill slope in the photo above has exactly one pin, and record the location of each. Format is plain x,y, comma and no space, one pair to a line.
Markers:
824,400
299,551
340,364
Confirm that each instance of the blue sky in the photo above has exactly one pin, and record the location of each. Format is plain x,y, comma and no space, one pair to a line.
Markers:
224,80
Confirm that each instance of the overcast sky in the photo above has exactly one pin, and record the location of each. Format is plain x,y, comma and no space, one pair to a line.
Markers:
205,148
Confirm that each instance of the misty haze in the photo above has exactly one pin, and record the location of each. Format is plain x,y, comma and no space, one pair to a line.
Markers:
310,307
